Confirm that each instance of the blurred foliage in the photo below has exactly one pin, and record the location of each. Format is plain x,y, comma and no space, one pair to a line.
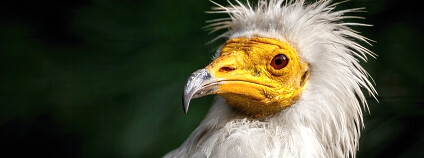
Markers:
104,78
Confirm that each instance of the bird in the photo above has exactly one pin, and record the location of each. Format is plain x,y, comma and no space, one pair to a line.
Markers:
288,82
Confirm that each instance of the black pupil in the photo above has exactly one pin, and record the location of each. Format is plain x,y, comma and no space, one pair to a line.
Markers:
278,62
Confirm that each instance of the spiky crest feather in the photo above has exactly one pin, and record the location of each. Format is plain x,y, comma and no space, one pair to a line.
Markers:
327,119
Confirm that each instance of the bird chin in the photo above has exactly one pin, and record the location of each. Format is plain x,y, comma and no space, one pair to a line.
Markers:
251,107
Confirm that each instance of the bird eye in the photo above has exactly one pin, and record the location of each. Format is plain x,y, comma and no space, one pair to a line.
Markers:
279,61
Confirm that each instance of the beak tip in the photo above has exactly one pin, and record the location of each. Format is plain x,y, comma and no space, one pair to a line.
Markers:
185,105
186,97
185,111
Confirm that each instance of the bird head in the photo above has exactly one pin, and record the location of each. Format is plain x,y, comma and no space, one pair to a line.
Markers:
257,76
280,52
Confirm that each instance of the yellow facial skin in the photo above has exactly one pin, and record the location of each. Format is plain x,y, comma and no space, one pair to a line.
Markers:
248,81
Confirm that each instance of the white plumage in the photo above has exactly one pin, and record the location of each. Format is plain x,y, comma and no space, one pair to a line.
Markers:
326,120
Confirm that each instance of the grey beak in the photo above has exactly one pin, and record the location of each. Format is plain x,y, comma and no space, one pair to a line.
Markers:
199,84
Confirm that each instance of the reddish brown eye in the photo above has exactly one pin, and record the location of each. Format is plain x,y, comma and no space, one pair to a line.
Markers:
279,61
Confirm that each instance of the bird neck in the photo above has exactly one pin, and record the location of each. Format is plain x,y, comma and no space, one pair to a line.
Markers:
311,127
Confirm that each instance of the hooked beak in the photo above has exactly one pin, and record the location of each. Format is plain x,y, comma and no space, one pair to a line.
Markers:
199,84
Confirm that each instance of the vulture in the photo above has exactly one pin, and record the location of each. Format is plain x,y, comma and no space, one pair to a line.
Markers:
288,82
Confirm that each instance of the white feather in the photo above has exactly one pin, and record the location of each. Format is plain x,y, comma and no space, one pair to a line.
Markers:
326,120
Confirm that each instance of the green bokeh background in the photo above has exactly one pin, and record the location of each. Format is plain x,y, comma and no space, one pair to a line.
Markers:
103,78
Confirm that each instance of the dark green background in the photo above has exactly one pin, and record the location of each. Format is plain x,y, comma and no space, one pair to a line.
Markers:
92,78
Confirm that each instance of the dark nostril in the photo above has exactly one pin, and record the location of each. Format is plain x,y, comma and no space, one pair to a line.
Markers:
226,69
